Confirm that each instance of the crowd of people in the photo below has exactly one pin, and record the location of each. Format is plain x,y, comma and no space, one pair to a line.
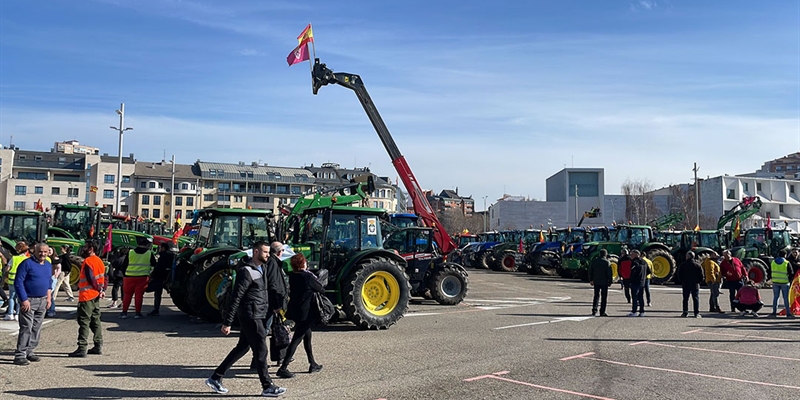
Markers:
728,272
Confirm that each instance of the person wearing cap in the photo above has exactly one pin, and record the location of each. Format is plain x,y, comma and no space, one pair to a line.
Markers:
137,265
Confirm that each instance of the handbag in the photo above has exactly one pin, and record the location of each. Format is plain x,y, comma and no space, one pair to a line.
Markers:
325,308
280,335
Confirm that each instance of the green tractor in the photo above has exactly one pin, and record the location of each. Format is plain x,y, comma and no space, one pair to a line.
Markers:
634,237
509,256
760,247
200,268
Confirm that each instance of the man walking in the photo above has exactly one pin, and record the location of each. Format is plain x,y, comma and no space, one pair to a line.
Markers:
733,273
782,274
278,289
691,274
637,280
137,266
91,288
250,303
713,280
32,284
600,277
63,277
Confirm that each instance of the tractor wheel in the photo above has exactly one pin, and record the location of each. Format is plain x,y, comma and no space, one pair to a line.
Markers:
663,266
583,275
614,268
507,262
564,273
450,285
485,260
376,294
178,291
75,271
756,271
202,291
546,267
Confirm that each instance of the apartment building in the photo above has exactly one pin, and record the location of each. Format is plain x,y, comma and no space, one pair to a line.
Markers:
32,176
386,195
101,171
155,195
74,147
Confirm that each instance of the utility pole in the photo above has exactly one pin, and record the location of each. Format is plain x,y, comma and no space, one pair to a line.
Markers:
121,129
171,218
576,204
696,195
485,212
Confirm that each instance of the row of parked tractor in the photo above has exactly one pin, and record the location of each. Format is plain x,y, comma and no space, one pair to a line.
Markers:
568,252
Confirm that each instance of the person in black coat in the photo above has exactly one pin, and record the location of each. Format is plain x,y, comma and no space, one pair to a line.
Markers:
691,275
637,280
159,276
601,277
302,286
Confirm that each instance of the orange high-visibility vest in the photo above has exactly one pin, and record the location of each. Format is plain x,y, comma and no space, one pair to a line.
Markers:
85,290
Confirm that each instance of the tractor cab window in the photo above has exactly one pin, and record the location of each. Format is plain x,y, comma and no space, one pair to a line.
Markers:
401,242
19,228
254,229
370,233
754,238
638,237
225,231
74,221
343,232
575,237
600,236
710,240
312,230
562,236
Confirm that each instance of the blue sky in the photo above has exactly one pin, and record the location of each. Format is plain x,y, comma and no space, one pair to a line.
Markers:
489,97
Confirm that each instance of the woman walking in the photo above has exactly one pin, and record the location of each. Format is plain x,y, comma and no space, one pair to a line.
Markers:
302,285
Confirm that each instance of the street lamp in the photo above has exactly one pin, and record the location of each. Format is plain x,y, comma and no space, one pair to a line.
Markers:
485,212
121,129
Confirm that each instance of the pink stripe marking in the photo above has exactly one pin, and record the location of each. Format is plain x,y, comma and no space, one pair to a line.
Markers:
578,356
694,331
720,351
745,336
501,373
724,378
499,378
638,343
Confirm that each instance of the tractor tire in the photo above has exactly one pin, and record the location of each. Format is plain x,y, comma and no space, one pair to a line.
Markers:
449,286
202,291
376,294
663,266
507,262
179,293
485,260
564,273
75,271
547,268
756,271
582,274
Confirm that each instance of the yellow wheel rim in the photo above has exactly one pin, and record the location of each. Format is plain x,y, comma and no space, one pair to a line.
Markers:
380,293
211,288
660,267
614,271
75,274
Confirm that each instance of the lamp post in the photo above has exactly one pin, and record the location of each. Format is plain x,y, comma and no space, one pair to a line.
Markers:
121,129
485,212
613,201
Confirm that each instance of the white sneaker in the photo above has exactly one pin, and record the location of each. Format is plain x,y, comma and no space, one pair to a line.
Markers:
641,314
633,314
755,314
8,317
649,304
16,317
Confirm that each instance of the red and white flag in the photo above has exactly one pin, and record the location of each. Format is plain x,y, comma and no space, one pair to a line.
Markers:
298,55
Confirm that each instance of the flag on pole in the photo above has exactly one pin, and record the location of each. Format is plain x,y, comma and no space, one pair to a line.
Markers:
521,248
306,36
737,229
541,236
107,246
178,233
39,206
697,227
298,55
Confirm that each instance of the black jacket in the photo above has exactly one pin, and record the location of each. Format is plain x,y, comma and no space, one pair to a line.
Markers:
638,272
249,294
600,272
302,285
163,266
277,285
691,273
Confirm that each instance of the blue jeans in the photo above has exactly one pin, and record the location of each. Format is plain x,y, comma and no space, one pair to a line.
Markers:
13,306
52,309
780,289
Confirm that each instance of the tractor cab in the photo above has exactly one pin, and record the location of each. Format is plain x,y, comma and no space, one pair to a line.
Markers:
15,226
75,222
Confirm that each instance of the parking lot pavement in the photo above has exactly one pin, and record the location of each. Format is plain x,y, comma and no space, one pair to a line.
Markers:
516,336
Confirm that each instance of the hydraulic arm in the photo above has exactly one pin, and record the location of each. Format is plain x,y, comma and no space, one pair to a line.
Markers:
748,207
322,76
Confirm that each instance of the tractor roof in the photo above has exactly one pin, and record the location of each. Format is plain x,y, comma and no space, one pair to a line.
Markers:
74,207
358,210
236,211
21,213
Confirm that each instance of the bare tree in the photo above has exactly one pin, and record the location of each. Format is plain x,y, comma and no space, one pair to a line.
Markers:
454,221
681,200
640,204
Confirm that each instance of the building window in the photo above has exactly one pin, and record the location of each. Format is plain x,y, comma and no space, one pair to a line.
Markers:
126,179
745,186
250,174
55,191
146,213
208,185
146,199
207,197
295,189
731,194
21,191
39,176
123,208
212,172
223,197
152,185
108,194
237,199
190,201
19,206
38,189
242,174
160,185
780,207
779,168
156,200
108,178
72,192
179,201
143,185
758,186
125,193
791,188
156,213
184,186
225,187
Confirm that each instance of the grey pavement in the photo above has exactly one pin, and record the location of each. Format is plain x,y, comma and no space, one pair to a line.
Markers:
515,337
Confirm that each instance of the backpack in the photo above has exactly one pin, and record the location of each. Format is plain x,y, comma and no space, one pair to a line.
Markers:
325,308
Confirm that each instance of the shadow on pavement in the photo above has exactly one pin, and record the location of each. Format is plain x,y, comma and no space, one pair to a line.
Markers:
147,371
112,393
671,340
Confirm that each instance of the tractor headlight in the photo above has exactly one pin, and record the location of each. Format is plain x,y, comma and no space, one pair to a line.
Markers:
232,261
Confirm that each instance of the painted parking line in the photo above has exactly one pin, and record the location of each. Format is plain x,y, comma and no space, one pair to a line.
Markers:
497,376
672,346
591,353
677,371
564,319
705,332
15,332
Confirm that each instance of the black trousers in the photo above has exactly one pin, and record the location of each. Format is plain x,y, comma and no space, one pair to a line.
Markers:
302,332
601,294
733,288
746,307
252,336
158,291
693,291
116,291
